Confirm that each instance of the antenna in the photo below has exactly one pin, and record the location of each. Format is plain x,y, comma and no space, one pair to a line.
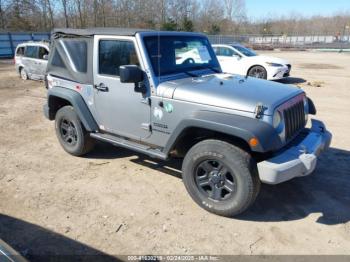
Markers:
158,64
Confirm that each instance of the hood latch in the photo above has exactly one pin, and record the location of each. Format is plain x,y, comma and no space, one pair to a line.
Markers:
259,110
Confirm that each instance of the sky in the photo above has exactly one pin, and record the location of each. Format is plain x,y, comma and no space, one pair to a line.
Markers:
257,9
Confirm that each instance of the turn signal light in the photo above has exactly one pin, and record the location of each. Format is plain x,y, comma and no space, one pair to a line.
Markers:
253,142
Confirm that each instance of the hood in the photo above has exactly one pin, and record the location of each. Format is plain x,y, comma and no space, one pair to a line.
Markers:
269,59
229,91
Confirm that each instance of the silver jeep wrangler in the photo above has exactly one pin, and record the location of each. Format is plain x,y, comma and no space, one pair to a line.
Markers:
133,89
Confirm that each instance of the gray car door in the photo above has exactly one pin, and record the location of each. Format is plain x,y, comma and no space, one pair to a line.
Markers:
119,108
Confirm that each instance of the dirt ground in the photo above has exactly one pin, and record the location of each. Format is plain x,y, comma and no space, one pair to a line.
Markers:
117,202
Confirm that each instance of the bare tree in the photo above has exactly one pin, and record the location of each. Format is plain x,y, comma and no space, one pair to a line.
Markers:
2,18
43,5
49,8
96,5
65,12
211,16
80,12
235,9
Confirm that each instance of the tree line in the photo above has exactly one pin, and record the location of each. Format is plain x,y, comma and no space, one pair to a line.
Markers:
209,16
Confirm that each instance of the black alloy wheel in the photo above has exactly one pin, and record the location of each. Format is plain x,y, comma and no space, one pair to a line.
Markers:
68,132
215,180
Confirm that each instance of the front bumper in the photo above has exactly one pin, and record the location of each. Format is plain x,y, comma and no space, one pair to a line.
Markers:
279,72
297,160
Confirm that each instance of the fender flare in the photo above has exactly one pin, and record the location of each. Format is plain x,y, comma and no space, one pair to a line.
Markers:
76,100
312,107
241,127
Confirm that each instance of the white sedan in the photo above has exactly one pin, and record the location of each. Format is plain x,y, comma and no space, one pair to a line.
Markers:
237,59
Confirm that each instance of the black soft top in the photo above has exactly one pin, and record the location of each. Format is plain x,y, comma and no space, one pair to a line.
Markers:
69,32
71,50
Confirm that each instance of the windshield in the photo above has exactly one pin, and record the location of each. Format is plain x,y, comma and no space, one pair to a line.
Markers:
245,51
180,54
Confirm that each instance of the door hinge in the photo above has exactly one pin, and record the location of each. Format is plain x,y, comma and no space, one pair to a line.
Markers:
146,126
146,101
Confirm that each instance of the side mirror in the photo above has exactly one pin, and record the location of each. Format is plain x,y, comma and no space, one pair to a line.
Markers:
46,57
130,74
237,56
133,74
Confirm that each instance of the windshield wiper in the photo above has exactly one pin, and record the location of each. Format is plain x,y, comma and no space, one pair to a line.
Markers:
210,67
190,74
180,72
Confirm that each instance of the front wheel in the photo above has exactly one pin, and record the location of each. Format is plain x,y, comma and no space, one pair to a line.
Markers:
71,133
220,177
258,72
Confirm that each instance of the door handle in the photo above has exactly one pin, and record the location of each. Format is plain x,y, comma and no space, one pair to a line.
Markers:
101,87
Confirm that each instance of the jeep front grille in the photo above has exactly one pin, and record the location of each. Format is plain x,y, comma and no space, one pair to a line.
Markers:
294,119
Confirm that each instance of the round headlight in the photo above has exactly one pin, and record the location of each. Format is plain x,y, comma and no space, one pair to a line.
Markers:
277,121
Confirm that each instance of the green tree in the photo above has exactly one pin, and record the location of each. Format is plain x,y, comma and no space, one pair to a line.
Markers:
170,25
187,25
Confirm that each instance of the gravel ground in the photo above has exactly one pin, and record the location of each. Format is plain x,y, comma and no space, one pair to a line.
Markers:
116,202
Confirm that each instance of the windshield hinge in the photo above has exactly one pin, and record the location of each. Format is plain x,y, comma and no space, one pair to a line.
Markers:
259,110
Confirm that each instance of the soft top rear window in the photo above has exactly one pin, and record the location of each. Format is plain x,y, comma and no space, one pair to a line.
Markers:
57,60
77,50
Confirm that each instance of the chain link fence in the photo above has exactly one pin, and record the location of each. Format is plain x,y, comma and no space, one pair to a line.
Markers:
284,41
10,40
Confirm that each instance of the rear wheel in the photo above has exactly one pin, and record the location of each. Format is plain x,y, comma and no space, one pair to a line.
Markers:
220,177
71,133
23,74
258,72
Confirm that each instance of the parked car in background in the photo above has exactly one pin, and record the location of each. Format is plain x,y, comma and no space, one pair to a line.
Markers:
237,59
31,60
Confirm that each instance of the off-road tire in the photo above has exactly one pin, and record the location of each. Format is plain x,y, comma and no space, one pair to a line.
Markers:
258,70
242,167
23,74
67,123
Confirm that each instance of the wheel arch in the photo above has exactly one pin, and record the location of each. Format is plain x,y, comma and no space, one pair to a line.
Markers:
59,97
194,134
232,128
